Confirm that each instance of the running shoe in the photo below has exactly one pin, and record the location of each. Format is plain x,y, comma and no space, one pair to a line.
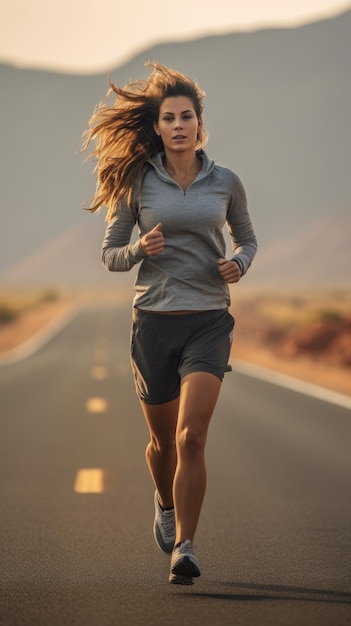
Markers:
184,564
164,527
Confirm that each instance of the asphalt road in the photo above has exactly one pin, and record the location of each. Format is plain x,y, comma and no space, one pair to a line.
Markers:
76,514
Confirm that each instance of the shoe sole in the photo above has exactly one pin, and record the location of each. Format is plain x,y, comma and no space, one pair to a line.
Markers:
186,567
175,579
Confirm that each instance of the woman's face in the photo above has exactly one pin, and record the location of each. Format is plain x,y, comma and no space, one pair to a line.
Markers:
178,124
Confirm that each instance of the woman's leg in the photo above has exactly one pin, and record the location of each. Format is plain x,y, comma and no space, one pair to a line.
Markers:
161,453
198,397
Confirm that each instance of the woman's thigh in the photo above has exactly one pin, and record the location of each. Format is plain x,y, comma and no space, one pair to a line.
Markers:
162,420
198,397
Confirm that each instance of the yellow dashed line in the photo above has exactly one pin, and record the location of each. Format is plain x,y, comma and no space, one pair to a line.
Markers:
99,372
90,481
96,405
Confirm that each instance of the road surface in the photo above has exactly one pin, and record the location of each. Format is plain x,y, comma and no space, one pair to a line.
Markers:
76,515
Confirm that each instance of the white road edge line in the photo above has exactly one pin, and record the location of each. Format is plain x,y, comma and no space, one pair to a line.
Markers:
34,343
289,382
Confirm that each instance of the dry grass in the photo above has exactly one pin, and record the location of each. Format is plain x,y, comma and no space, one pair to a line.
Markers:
275,330
286,306
28,311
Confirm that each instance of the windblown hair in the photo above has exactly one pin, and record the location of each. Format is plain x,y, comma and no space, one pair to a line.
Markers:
124,133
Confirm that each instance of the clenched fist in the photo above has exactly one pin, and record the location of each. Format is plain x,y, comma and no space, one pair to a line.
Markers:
229,270
153,242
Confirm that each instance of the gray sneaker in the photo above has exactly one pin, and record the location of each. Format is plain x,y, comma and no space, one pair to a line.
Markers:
184,564
164,527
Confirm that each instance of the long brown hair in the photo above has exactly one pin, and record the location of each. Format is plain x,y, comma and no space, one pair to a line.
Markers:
124,133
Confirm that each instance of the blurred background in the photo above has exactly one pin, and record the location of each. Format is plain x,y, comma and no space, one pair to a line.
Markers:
277,79
76,518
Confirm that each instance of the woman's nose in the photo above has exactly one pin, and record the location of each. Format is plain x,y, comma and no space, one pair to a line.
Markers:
178,123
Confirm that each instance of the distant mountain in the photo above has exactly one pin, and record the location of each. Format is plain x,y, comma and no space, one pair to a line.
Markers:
277,110
73,259
318,255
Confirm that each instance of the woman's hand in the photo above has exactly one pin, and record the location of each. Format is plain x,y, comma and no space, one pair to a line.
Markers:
153,242
229,270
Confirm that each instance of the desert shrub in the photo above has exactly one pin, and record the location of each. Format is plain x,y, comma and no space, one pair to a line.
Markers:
328,315
7,313
49,295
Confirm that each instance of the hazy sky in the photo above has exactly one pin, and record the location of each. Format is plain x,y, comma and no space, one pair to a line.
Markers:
94,35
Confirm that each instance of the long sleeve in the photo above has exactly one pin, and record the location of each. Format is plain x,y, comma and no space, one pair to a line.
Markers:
118,254
244,242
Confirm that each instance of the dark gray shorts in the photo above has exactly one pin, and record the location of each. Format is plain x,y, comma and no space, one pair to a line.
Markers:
165,348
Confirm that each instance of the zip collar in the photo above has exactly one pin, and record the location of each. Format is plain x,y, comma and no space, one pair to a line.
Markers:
157,163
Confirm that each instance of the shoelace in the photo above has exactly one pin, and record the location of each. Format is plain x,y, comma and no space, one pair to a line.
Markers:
186,547
167,523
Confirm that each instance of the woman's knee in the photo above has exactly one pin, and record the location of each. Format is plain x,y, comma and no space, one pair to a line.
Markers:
191,440
161,445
